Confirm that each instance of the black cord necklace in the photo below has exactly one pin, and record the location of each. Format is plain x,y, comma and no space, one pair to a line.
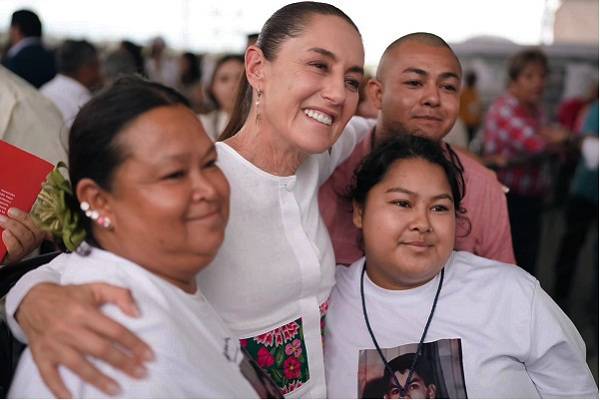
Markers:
411,371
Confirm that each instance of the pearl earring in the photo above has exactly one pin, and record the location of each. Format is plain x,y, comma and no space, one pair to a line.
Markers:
94,215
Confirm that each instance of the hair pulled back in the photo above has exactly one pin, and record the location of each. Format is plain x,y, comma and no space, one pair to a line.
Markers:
287,22
94,149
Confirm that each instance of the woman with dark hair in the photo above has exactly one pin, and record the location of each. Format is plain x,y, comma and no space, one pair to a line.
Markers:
145,209
190,82
222,92
518,142
272,277
506,337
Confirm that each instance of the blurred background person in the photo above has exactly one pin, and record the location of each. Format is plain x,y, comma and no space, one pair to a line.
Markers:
470,105
580,214
222,92
118,63
78,76
136,52
571,114
27,56
517,137
190,80
159,66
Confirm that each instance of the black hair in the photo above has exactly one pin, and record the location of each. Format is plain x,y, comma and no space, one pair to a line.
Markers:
522,59
28,23
470,78
135,51
95,151
287,22
226,58
401,146
404,362
194,72
74,54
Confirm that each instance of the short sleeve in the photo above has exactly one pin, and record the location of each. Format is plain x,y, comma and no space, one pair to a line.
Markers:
557,360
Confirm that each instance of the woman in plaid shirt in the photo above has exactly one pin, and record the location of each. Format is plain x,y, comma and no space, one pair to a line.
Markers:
515,136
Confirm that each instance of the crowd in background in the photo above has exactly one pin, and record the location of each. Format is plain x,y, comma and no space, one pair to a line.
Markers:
523,146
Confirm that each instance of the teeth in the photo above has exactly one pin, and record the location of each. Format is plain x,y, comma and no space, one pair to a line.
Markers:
318,116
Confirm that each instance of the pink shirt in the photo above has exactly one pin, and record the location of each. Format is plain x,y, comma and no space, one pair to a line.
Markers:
484,201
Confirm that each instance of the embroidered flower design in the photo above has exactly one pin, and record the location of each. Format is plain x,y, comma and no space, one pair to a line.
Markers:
289,331
278,336
323,311
291,368
264,358
294,348
292,386
281,353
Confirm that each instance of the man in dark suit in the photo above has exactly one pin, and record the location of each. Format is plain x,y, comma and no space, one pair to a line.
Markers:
27,57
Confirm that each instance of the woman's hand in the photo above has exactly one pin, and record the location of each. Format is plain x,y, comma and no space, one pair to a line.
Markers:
63,325
20,236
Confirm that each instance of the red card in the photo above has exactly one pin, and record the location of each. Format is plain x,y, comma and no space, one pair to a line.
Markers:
21,178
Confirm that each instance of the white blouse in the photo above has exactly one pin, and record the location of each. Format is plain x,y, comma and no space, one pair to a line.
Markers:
276,265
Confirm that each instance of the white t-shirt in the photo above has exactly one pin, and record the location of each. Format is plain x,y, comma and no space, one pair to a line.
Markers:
514,341
68,95
195,355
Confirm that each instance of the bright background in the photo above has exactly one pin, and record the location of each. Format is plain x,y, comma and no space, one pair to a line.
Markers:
218,26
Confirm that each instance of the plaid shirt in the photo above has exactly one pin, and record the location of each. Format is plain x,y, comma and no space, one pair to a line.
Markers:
511,130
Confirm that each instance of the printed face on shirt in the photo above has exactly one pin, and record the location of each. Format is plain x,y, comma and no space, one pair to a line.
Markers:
408,223
225,84
528,88
416,389
310,88
169,202
419,91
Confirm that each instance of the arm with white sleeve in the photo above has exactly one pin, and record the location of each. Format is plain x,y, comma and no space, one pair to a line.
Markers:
63,324
557,358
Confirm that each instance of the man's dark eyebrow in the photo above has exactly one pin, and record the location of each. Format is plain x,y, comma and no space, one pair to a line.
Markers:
422,72
329,54
417,71
447,75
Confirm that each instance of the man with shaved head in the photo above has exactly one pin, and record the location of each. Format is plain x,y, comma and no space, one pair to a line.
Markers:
417,91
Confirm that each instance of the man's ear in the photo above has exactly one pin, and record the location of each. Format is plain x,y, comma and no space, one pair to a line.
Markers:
357,212
255,63
375,92
89,191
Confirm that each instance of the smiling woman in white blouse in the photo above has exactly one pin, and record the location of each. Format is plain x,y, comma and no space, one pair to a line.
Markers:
274,272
